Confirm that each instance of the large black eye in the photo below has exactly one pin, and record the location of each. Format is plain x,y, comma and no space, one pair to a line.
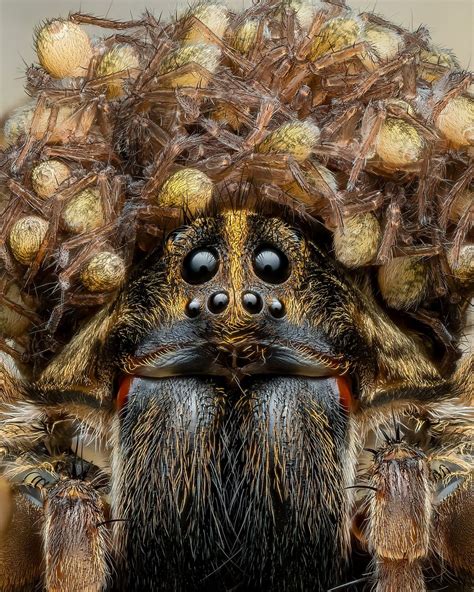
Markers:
271,265
199,266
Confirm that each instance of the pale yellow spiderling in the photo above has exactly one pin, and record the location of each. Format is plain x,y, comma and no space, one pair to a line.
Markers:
121,58
398,143
187,188
84,212
403,281
305,10
104,272
356,242
337,34
435,61
47,176
201,54
214,15
64,49
245,36
26,236
321,180
463,268
384,45
456,121
297,138
69,122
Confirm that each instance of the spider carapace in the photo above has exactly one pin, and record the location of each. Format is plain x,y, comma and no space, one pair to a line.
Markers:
239,375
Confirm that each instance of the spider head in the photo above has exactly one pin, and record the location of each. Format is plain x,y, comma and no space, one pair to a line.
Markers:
235,295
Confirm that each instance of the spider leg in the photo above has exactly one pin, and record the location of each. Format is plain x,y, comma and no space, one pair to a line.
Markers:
21,557
75,540
447,429
21,563
56,529
53,516
399,517
393,576
453,526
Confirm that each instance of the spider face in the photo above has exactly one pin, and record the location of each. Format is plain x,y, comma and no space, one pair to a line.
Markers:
235,296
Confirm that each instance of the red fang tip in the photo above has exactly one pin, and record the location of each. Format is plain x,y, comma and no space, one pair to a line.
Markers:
342,384
123,391
345,393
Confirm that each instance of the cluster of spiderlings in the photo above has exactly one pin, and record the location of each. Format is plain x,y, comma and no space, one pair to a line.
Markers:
345,117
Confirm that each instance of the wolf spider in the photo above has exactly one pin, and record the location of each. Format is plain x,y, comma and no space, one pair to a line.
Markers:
245,413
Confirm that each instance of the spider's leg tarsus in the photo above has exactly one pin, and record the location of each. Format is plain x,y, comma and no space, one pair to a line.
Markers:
75,548
399,517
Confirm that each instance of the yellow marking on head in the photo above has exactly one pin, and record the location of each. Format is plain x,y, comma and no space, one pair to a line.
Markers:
235,234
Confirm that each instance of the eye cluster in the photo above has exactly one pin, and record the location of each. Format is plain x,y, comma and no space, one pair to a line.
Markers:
270,264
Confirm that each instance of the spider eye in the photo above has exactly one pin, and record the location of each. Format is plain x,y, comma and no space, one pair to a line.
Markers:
271,265
199,266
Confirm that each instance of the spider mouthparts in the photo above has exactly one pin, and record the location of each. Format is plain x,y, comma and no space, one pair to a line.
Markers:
231,359
133,385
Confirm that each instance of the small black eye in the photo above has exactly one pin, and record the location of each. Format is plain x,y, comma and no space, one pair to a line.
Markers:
199,266
218,302
193,308
277,308
271,265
